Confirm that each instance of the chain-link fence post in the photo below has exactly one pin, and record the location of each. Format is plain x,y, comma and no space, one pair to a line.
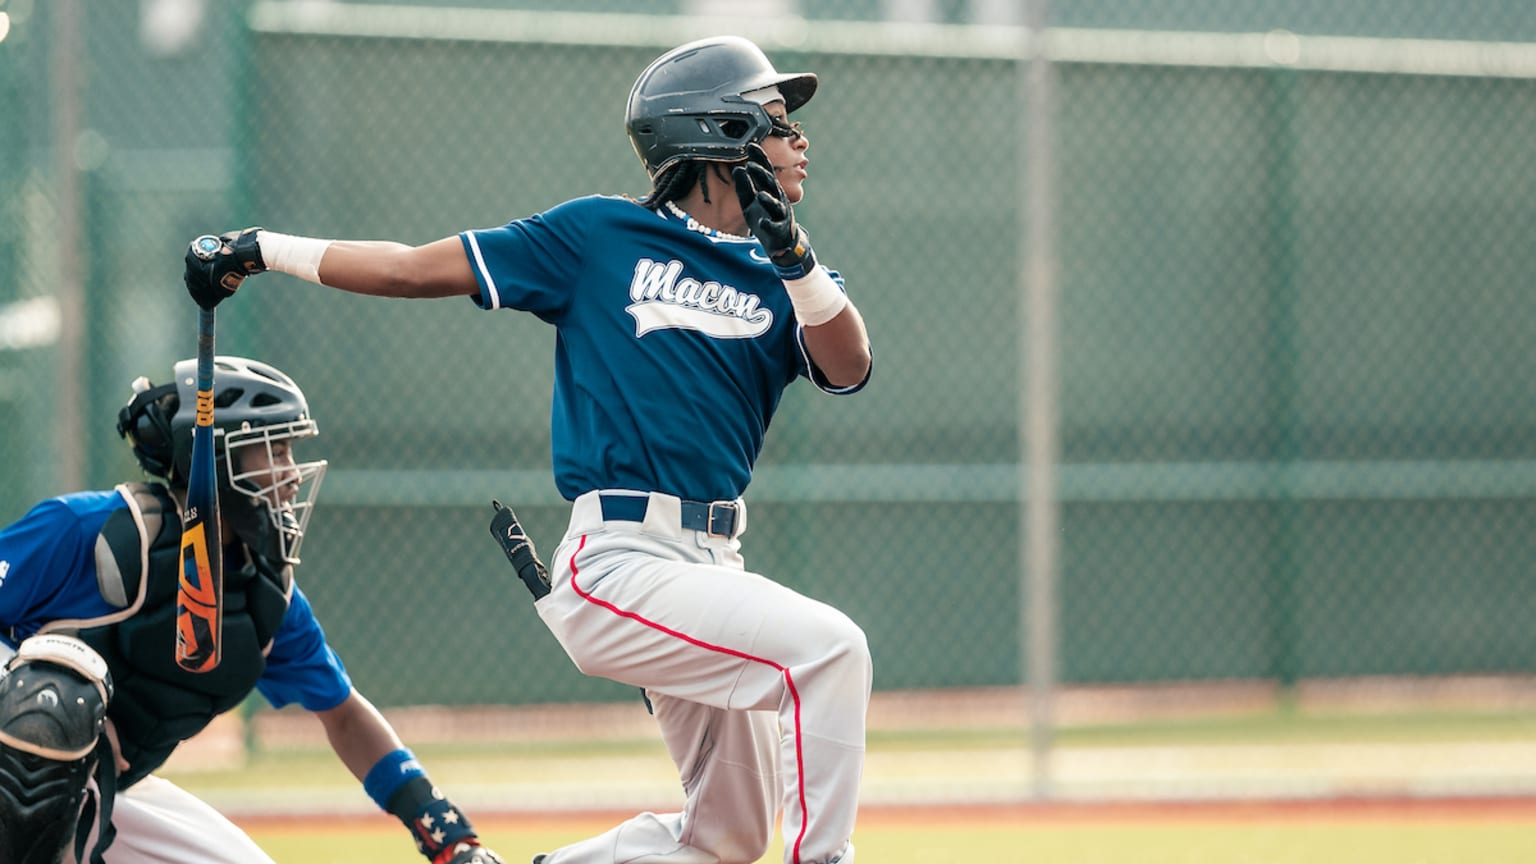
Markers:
1039,415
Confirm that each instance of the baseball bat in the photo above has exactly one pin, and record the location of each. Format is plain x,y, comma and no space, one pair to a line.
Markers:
200,593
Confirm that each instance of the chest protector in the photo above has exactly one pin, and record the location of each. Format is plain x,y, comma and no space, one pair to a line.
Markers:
157,704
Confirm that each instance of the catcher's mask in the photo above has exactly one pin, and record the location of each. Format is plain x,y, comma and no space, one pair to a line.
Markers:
689,103
259,412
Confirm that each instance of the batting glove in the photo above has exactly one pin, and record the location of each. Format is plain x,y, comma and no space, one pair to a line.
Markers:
215,266
770,218
518,547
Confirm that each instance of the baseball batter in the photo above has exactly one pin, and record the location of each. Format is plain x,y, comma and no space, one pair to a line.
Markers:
681,318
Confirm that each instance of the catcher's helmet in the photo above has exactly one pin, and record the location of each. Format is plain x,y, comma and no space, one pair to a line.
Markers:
688,103
255,406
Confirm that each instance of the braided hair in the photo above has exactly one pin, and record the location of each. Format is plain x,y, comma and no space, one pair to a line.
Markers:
676,181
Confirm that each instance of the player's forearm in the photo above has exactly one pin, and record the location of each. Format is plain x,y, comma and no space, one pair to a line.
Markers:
840,347
377,268
395,779
359,734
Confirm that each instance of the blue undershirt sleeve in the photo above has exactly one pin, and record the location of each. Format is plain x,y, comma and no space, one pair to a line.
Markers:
301,667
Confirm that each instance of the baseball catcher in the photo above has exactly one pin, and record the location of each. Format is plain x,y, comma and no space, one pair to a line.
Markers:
93,703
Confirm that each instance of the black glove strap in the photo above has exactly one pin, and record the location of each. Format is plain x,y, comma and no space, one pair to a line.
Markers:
433,821
247,251
518,547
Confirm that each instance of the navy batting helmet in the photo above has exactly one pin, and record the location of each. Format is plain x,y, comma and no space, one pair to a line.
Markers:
689,103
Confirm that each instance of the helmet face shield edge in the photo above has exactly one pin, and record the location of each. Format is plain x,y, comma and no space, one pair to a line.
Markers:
259,464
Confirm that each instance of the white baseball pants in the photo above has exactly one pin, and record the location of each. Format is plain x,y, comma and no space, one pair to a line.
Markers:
158,822
760,692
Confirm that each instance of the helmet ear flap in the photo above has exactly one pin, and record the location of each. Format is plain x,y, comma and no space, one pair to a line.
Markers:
146,422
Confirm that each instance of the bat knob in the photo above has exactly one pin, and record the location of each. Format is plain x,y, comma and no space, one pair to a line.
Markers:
206,247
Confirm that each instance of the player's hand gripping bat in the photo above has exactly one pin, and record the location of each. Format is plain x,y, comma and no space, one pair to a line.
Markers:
216,266
200,594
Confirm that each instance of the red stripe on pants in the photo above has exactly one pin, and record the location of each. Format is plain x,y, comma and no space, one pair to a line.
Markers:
789,681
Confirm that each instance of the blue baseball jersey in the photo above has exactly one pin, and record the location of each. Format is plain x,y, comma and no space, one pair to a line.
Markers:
673,343
48,573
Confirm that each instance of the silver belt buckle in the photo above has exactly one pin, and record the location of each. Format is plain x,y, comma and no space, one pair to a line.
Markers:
723,505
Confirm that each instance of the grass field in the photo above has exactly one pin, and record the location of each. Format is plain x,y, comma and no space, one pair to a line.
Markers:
1259,756
1263,787
1383,833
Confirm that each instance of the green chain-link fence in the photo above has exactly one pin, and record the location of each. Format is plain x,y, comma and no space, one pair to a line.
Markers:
1297,421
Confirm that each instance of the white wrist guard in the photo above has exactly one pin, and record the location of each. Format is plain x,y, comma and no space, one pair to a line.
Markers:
816,297
296,256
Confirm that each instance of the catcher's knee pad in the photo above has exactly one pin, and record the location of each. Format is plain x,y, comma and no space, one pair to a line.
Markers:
53,704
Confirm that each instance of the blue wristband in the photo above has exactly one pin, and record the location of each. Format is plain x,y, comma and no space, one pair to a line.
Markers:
389,774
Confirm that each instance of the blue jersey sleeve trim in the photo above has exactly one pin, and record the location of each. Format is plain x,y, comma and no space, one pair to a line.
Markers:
532,264
487,298
819,378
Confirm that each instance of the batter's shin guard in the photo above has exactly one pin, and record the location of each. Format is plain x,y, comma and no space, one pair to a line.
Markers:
53,703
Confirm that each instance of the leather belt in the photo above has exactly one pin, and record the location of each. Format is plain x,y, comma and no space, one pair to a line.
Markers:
711,517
